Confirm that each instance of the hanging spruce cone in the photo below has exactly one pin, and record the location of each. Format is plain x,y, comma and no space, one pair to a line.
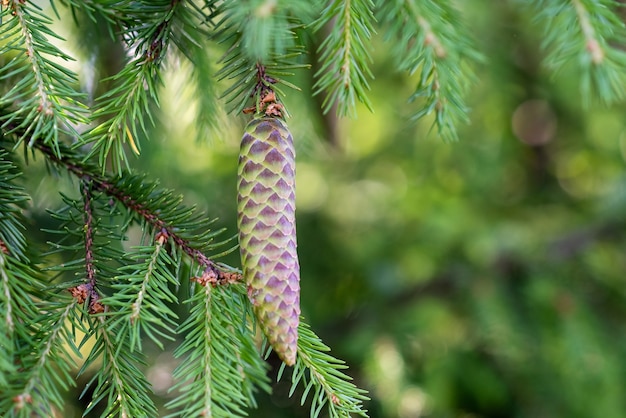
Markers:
267,231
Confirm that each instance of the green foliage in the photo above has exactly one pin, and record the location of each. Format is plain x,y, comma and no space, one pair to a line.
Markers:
321,376
101,282
142,296
591,40
344,54
147,31
37,345
49,103
12,199
119,382
430,39
211,384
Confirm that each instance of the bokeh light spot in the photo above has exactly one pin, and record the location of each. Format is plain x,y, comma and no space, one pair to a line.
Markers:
534,122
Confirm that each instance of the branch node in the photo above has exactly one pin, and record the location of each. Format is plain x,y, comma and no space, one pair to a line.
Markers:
4,248
21,400
214,277
162,237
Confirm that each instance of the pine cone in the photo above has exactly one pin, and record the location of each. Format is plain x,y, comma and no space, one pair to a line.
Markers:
267,231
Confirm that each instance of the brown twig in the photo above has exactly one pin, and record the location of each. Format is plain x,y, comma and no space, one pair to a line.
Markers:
105,185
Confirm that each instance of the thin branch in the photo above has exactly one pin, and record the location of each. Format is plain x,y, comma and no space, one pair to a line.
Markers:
7,290
344,55
46,356
122,397
137,304
592,44
107,186
430,37
32,53
207,373
88,211
347,46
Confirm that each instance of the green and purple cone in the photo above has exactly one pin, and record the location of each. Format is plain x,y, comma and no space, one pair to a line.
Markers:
266,203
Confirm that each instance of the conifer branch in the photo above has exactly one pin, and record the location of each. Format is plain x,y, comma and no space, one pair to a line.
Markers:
23,328
45,104
111,188
263,28
320,375
16,277
124,107
9,322
120,383
12,240
218,346
141,294
431,40
42,94
344,70
260,45
593,43
141,297
52,367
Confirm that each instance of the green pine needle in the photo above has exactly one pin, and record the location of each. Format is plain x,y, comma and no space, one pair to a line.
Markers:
320,375
139,303
592,43
344,54
431,40
49,104
220,368
119,382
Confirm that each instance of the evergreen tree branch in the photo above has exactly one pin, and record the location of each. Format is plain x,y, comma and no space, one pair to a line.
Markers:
262,49
22,328
120,383
42,95
17,280
118,189
221,365
265,28
125,107
141,297
344,55
38,329
251,79
320,375
7,321
54,352
431,40
12,199
592,42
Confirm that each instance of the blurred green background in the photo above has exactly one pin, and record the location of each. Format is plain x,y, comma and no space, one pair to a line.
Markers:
482,278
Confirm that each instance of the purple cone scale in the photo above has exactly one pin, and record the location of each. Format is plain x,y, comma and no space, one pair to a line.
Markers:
266,203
